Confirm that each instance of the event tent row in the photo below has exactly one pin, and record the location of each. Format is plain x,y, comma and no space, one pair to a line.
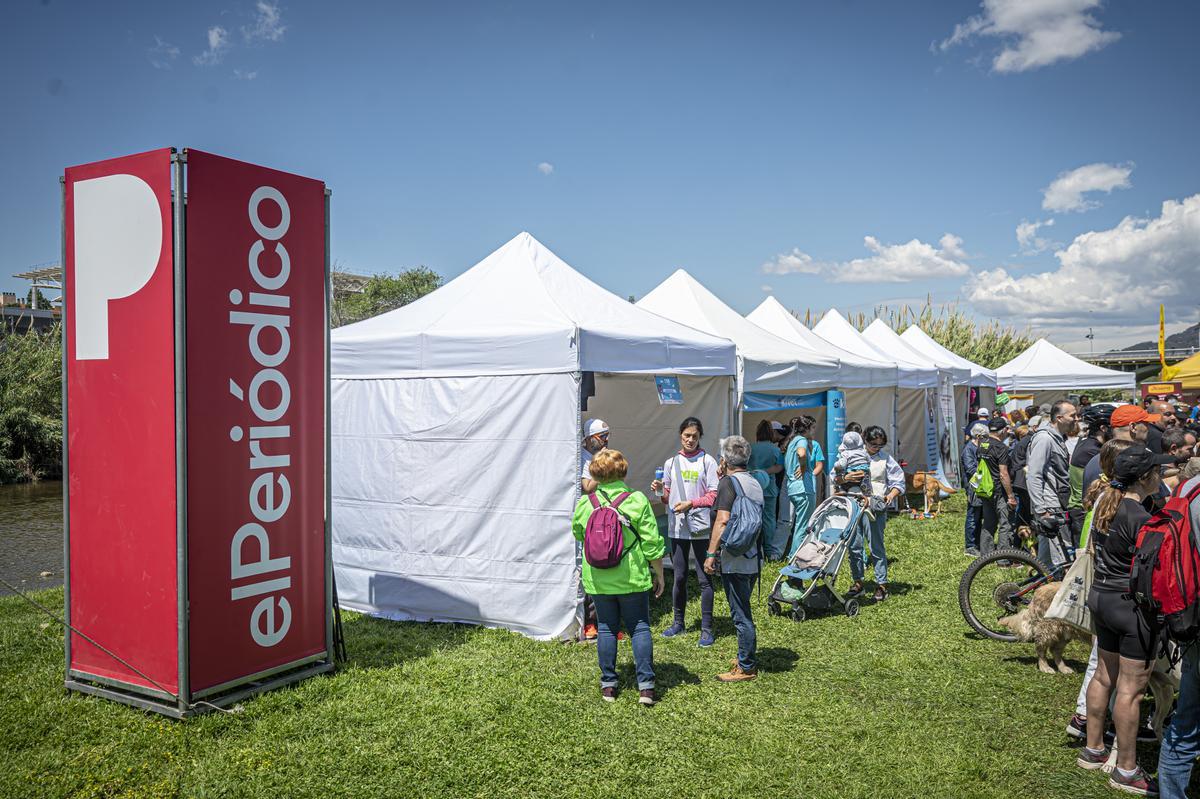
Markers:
456,421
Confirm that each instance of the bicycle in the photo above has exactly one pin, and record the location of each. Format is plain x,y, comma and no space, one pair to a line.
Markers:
1001,584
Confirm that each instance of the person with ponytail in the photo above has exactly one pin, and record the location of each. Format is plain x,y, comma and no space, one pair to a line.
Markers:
689,490
1124,641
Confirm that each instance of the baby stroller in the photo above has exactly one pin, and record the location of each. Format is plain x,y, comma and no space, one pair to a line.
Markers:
807,581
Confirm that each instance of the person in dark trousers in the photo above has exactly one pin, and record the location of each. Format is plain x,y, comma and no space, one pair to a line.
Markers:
970,462
1049,481
1016,470
1181,742
738,572
997,531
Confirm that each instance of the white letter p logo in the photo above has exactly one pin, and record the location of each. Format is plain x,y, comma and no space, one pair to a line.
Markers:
118,239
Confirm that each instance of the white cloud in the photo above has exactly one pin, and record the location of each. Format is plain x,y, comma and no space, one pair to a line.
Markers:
162,54
900,263
1035,33
1066,191
218,45
1028,239
794,262
1119,275
268,23
242,74
546,168
891,263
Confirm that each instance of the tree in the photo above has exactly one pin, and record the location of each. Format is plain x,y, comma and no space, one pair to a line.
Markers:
30,405
382,293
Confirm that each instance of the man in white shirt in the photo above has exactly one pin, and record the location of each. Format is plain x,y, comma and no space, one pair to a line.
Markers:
595,438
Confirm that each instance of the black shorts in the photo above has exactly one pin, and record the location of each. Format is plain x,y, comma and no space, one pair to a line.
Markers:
1118,628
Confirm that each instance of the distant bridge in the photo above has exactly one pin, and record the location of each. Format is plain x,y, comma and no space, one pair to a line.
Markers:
1144,363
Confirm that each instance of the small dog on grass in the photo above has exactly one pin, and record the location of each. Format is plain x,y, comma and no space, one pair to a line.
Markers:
932,487
1049,636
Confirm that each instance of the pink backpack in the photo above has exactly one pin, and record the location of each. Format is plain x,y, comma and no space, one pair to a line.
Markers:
603,538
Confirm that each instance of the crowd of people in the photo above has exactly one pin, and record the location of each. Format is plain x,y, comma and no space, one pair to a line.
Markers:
702,495
1088,476
1070,476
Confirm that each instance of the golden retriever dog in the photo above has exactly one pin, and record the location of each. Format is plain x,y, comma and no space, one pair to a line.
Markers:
1050,637
928,484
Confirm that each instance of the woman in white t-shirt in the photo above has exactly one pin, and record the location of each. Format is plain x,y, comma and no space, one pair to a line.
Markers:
689,489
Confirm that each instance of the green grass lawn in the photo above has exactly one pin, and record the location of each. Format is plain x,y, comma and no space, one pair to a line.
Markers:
898,702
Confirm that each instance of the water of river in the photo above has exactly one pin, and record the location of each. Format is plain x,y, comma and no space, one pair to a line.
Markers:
31,535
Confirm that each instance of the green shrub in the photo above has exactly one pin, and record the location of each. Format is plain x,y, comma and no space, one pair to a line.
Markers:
31,406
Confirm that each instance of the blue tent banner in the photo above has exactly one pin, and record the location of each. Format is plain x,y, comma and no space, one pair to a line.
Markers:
669,392
755,402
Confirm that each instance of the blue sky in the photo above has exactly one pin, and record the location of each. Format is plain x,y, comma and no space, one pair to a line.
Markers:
756,145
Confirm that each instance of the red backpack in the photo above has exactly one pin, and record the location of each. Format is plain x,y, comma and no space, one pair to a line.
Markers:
604,536
1164,580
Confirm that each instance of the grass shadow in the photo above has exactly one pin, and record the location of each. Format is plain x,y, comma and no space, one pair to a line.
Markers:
381,643
666,676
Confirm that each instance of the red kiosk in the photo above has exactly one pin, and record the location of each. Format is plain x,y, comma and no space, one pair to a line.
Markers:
196,510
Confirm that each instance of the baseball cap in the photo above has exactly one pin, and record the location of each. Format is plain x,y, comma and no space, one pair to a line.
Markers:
984,413
778,427
1134,463
1127,415
997,425
595,427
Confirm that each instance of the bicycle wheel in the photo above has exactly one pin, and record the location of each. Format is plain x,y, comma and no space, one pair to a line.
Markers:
998,585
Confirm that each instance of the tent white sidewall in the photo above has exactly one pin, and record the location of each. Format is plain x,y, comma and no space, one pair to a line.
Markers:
453,496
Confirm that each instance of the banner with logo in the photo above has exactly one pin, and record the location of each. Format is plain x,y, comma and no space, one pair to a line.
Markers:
757,402
256,413
835,424
948,434
120,426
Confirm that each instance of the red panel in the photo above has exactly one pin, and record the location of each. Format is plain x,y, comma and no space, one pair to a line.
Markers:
255,458
121,417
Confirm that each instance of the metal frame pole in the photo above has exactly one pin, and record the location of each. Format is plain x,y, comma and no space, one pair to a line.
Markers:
179,161
66,475
328,439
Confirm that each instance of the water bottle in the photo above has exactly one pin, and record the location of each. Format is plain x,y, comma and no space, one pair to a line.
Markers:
658,475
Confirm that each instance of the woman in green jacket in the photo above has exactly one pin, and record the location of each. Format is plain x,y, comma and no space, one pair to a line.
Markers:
623,592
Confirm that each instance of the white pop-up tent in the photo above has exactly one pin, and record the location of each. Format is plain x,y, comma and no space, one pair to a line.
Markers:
766,361
938,415
906,425
456,435
1047,372
982,379
869,384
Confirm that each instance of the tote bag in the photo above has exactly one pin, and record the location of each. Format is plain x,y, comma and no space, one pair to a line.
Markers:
1070,603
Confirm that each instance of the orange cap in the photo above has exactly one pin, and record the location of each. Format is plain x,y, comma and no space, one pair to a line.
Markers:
1127,415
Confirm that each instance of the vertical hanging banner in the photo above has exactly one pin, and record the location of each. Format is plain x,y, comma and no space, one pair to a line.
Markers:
120,422
948,433
835,424
256,332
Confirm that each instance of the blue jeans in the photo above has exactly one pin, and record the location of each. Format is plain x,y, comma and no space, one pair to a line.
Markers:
772,547
1181,743
878,552
803,506
635,610
738,588
971,527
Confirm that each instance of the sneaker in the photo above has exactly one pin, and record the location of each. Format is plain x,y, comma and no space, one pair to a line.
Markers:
855,590
737,674
672,631
1077,726
881,594
706,638
971,552
1091,760
1138,782
589,632
609,694
646,696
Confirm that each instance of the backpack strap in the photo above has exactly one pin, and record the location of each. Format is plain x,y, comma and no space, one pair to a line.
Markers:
737,486
616,503
595,502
